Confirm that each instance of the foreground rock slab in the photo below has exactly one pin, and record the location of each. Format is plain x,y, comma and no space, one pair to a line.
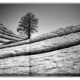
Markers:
64,61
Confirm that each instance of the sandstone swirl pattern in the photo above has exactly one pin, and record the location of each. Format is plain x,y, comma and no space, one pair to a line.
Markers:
64,61
45,56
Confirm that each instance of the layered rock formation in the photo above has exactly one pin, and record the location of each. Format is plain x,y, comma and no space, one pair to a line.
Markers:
42,46
8,35
58,33
60,62
45,55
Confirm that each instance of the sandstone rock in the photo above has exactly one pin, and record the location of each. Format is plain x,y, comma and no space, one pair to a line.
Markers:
8,37
58,33
5,31
42,46
3,40
60,62
49,55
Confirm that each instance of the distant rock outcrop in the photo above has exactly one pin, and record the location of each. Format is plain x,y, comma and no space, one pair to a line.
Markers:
5,30
7,34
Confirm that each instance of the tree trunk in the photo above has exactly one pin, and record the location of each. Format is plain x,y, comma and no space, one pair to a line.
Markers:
42,46
29,36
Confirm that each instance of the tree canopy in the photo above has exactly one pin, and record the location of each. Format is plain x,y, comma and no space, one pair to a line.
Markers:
28,25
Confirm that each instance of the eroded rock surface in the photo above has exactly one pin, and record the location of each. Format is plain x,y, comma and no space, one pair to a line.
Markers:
64,61
42,46
51,54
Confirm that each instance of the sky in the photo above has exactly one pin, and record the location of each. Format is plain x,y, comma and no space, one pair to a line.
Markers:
51,16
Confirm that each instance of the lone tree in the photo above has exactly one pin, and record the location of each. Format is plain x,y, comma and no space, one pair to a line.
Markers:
28,25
